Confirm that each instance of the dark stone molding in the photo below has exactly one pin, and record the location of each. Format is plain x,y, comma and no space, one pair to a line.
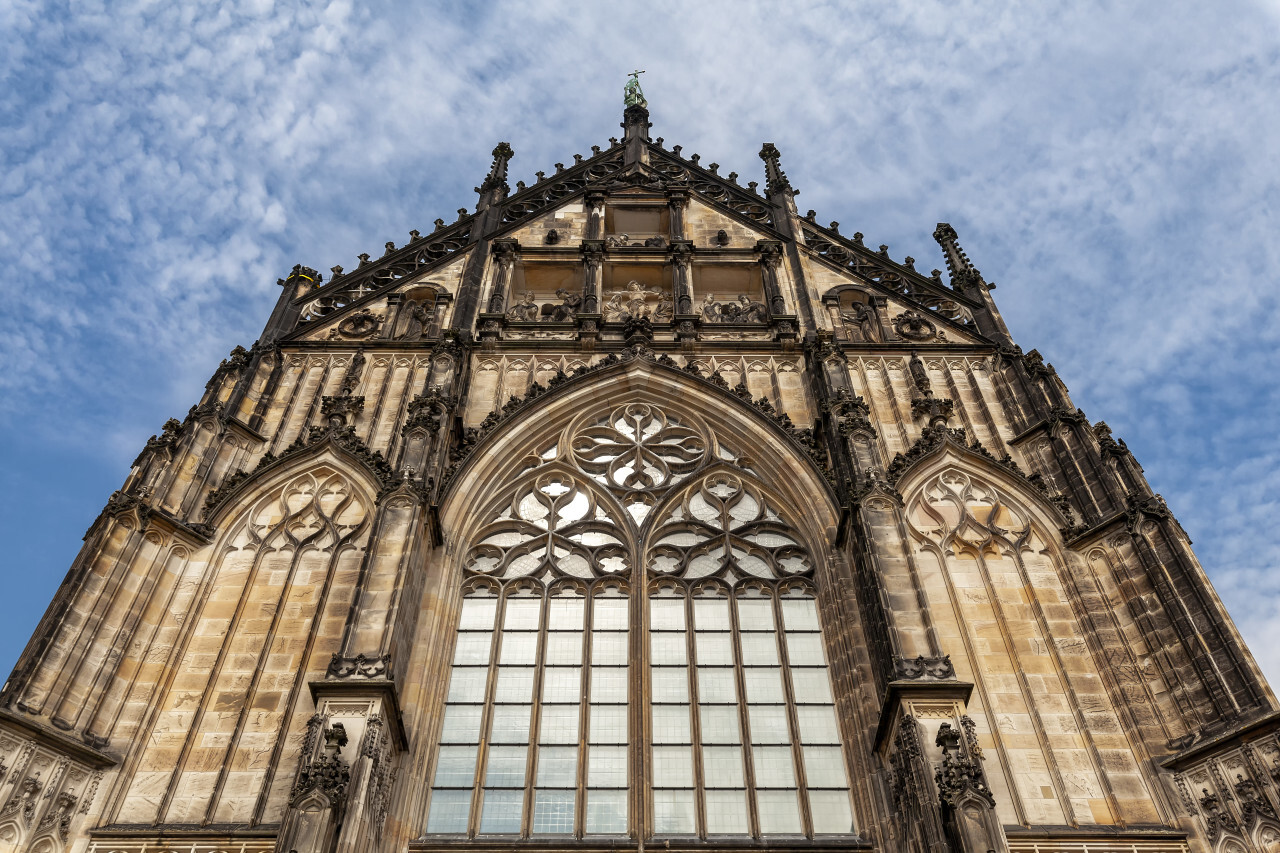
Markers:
72,748
1244,730
343,441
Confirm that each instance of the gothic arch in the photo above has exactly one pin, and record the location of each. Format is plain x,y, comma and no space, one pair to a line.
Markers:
518,442
251,486
1003,595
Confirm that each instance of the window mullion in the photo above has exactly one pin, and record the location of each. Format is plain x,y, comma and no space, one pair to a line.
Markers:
695,721
793,722
748,756
486,719
535,718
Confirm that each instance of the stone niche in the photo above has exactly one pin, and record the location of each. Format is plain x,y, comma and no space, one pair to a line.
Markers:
729,293
544,292
638,222
637,290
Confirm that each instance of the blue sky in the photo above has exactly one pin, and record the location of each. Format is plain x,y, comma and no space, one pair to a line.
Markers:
1112,167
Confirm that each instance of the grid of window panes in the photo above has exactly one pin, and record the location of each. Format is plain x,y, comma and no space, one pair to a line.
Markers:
518,704
741,716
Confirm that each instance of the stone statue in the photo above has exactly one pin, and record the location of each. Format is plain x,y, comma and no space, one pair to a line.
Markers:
566,310
860,322
631,94
749,311
745,310
665,311
525,310
420,316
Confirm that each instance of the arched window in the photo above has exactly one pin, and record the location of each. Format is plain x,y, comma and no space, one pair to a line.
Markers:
720,693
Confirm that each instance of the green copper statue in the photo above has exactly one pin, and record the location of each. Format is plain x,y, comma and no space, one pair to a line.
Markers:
631,94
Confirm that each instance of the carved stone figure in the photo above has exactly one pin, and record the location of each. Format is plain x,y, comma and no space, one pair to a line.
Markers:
526,310
745,310
632,303
566,310
420,316
860,323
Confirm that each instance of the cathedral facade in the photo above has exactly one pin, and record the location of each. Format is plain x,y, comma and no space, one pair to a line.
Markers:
637,509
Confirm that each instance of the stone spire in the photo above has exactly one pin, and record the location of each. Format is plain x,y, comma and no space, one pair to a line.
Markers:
635,122
775,179
966,279
495,186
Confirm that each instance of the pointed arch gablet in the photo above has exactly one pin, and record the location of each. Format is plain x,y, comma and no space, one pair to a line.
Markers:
522,439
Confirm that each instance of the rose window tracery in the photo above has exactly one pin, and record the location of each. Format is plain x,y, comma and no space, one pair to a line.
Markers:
638,447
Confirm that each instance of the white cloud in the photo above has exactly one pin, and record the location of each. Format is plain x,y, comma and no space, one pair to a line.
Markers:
1109,167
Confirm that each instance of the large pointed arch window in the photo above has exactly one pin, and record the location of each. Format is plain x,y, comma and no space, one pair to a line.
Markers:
639,651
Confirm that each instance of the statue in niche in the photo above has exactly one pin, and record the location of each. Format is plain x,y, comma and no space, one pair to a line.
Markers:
860,323
665,311
525,310
420,316
632,303
566,310
745,310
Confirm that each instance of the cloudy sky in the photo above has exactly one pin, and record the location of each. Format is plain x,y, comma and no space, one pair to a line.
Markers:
1112,167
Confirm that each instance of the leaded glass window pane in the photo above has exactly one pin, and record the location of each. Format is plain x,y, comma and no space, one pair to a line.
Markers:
502,811
449,811
564,648
764,685
779,812
609,684
515,684
671,724
759,650
672,767
726,812
519,648
606,812
805,649
461,724
557,767
607,767
609,648
773,767
824,767
478,614
561,684
669,684
506,766
668,649
716,684
456,767
722,766
714,649
510,724
768,724
553,812
472,649
818,724
831,812
719,724
559,724
608,724
468,683
812,686
673,812
666,614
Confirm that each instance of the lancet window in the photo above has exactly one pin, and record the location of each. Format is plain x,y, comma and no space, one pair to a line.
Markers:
702,708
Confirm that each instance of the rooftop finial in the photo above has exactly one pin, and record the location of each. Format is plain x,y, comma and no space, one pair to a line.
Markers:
631,94
497,178
775,178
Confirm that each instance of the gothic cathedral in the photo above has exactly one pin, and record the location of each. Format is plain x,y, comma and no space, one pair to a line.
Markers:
636,509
